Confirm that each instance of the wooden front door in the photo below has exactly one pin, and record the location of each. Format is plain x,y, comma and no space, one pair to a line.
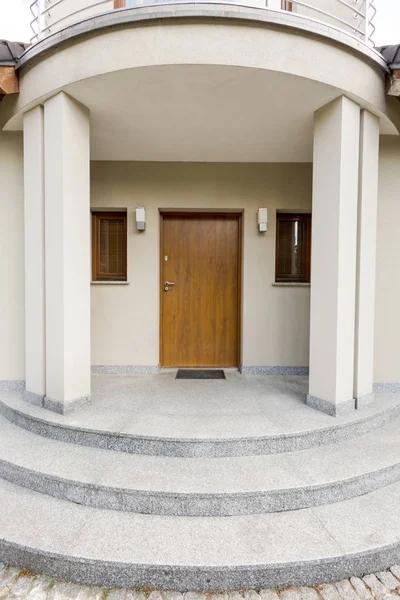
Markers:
200,310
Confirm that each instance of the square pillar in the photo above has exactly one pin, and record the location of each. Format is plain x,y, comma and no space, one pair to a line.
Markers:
333,260
67,245
366,259
35,328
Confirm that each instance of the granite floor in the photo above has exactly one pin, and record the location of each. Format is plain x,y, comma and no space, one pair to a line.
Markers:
159,405
16,584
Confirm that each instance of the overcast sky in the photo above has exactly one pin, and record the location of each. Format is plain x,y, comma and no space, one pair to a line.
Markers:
15,17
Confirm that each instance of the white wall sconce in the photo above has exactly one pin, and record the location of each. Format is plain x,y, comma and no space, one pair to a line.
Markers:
141,218
262,219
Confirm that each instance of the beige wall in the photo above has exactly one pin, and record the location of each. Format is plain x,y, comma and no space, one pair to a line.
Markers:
125,319
387,318
12,361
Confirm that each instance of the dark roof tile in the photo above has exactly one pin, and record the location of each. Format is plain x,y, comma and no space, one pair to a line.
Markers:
11,51
391,54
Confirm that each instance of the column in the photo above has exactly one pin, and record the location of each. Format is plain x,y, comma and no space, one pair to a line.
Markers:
366,258
35,336
67,245
333,261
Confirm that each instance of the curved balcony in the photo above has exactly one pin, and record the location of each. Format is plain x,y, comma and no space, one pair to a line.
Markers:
353,17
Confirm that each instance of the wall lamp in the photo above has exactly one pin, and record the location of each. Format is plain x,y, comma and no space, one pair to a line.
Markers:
141,218
262,219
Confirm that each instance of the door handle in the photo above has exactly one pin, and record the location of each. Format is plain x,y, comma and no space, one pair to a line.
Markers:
167,284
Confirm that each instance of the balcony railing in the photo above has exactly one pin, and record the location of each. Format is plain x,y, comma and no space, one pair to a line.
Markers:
354,17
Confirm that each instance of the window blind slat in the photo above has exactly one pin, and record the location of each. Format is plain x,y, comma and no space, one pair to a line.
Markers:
112,246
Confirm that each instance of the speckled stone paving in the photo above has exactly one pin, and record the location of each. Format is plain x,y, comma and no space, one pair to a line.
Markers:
16,584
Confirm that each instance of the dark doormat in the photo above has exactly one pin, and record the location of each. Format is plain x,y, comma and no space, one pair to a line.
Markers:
200,374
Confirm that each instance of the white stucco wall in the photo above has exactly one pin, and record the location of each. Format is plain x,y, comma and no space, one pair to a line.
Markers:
125,319
387,317
12,361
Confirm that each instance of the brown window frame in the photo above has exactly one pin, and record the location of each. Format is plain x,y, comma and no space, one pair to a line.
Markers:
305,275
119,3
97,217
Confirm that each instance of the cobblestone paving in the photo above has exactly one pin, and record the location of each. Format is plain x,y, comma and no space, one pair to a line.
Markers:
19,584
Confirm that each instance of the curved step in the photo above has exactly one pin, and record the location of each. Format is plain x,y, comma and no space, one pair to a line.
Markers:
304,428
94,546
201,487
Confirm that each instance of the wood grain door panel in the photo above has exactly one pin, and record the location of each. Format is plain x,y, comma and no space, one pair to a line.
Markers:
200,313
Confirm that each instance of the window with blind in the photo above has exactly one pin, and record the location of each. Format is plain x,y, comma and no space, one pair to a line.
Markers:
109,246
293,248
287,5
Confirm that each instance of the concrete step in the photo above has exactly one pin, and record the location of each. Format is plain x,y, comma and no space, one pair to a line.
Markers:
279,422
201,486
95,546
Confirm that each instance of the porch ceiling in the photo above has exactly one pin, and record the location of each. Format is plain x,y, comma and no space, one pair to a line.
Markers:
201,113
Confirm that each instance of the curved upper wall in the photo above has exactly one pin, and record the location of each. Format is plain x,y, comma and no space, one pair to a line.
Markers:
195,34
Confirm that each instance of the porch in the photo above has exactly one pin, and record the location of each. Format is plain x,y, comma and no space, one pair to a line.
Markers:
339,323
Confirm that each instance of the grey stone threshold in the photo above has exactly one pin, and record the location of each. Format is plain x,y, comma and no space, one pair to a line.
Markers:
387,388
187,447
330,408
265,370
10,385
57,406
125,369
